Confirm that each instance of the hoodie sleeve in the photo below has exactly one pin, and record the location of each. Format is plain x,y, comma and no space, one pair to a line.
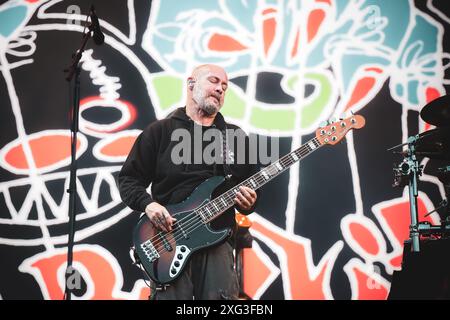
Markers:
138,171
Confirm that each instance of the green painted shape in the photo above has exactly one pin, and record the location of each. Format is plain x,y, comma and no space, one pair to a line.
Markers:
169,90
312,111
283,120
234,106
291,82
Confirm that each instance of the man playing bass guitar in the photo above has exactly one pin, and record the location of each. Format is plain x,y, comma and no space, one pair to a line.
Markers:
174,168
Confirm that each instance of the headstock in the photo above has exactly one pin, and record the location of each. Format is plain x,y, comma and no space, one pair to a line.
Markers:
336,131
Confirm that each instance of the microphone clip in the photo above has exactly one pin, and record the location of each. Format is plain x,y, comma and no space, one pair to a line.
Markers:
94,27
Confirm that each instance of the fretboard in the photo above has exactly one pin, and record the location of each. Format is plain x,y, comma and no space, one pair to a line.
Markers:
216,207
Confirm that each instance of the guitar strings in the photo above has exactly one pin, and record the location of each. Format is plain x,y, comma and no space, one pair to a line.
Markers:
285,160
194,220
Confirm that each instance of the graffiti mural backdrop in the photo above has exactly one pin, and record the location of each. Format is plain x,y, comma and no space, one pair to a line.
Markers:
331,228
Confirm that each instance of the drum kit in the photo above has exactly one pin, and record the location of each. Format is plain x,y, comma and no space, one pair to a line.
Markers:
434,144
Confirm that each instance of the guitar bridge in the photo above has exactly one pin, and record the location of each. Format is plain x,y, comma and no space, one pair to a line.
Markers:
150,251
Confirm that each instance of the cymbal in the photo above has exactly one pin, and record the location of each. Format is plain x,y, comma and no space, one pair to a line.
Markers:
434,144
437,112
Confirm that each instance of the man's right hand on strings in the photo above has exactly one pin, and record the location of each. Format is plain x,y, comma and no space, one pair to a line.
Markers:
159,217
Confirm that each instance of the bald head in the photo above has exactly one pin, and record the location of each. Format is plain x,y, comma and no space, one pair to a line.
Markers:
206,89
204,69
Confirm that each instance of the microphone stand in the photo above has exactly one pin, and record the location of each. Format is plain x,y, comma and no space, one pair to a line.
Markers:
74,70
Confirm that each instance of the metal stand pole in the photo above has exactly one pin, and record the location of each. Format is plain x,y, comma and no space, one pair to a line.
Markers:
414,172
73,70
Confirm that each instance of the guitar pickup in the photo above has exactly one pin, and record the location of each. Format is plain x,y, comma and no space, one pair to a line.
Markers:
178,225
166,243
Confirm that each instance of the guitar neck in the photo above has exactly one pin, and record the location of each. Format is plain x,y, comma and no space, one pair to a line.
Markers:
216,207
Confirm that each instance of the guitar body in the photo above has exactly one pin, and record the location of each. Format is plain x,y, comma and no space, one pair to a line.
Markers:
189,235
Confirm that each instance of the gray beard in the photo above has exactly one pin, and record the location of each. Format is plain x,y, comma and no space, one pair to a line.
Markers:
208,108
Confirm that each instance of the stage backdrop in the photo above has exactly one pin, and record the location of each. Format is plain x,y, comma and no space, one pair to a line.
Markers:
332,227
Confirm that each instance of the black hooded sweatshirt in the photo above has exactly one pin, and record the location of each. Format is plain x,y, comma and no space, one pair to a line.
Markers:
149,161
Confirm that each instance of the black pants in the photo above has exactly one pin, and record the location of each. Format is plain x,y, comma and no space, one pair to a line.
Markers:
209,275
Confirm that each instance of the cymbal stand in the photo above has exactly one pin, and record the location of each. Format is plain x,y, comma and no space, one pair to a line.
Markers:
411,170
445,179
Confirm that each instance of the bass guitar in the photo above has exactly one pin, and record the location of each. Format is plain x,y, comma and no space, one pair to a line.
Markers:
163,255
